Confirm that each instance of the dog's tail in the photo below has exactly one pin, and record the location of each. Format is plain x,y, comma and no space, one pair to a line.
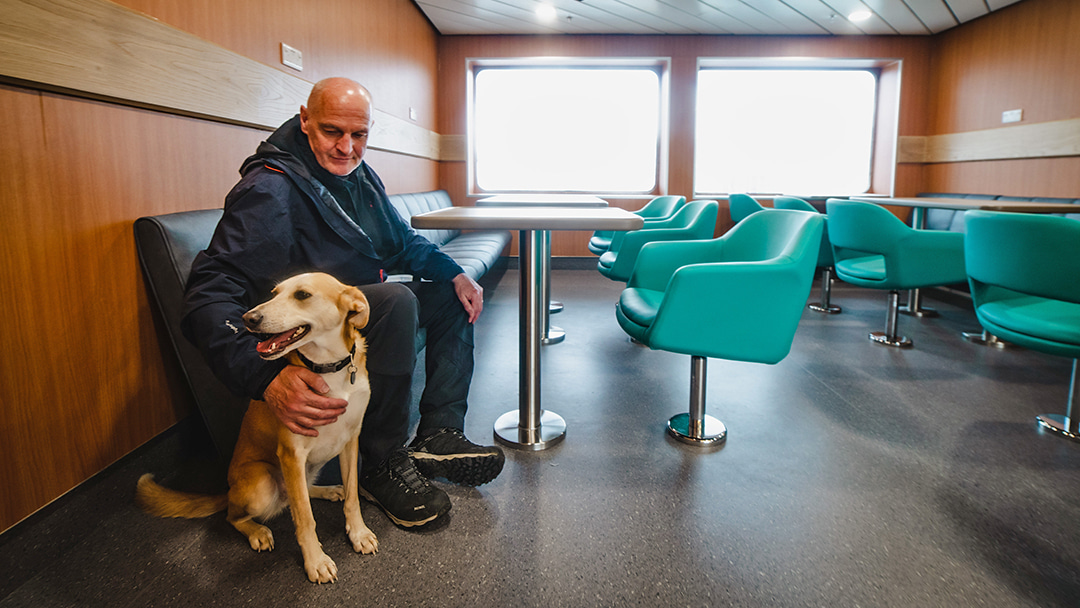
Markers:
163,502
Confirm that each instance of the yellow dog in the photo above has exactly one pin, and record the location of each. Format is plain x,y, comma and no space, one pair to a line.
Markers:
314,321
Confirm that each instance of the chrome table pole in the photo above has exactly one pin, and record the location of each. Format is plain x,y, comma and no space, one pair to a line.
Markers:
529,427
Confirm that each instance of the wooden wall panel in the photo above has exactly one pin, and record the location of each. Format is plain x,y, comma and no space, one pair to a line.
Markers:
386,45
88,374
84,379
684,52
1022,57
1058,177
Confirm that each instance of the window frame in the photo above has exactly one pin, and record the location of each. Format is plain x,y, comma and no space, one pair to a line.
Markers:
660,65
884,137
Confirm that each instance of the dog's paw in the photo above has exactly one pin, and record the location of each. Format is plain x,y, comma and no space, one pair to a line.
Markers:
331,493
321,569
363,540
261,539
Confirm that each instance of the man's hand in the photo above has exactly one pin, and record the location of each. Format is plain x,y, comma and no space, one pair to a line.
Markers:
470,294
296,397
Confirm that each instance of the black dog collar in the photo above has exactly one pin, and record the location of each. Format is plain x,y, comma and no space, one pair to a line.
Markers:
329,368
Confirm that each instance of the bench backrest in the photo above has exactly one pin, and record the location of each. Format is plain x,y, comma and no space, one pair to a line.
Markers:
166,245
413,203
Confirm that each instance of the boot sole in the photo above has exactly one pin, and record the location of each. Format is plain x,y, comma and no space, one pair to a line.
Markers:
464,469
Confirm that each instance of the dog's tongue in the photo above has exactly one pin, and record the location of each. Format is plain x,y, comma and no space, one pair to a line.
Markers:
271,345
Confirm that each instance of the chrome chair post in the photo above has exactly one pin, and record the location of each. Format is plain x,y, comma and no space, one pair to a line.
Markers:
1068,425
889,337
695,427
825,305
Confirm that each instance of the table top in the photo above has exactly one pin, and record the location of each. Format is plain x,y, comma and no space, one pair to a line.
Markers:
971,203
542,200
528,218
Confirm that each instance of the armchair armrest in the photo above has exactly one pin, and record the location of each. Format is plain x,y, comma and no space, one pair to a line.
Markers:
746,311
658,261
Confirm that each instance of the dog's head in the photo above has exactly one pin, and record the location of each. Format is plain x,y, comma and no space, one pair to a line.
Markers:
307,308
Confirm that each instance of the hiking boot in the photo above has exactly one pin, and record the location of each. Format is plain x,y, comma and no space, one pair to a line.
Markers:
448,454
406,496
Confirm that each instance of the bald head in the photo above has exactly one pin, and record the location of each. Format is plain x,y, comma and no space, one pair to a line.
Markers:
336,120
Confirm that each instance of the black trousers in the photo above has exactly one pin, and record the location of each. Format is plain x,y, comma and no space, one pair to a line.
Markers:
398,312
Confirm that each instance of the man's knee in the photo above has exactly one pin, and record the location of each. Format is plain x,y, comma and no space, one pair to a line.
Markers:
391,328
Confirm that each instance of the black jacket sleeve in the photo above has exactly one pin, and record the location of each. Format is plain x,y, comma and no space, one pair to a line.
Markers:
248,253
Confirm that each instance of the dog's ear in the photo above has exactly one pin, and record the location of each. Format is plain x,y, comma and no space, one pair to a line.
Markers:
354,301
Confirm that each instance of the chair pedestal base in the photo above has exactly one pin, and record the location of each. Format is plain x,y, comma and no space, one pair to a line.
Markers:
1060,425
713,432
882,338
553,335
820,307
914,307
985,338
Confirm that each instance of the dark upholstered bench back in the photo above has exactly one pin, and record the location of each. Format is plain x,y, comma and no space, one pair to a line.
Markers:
167,245
953,219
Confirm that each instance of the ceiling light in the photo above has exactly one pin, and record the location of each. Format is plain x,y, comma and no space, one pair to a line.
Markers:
546,12
860,15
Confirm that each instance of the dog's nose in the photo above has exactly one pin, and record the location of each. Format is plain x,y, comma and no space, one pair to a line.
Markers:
252,319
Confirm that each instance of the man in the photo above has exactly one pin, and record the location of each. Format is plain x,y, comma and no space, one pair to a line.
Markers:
307,202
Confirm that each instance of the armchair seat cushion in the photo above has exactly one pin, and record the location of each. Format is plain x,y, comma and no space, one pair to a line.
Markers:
869,268
1052,320
640,305
601,243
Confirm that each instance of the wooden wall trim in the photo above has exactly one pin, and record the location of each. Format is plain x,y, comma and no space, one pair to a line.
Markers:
101,50
1038,140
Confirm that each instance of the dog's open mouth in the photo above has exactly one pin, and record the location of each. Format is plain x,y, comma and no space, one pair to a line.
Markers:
274,345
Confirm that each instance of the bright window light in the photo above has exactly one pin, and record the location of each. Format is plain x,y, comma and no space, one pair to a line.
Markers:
778,131
566,129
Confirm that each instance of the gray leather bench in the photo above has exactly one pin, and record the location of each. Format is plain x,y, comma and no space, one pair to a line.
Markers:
953,219
167,245
476,252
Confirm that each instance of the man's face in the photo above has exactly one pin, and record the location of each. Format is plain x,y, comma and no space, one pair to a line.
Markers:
338,132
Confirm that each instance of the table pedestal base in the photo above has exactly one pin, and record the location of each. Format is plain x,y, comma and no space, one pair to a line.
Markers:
551,431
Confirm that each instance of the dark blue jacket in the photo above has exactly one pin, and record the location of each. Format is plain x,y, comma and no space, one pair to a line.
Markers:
280,221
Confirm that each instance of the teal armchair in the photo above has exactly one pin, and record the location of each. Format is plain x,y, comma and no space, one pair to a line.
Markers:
873,248
741,206
696,220
737,297
825,255
660,207
1024,273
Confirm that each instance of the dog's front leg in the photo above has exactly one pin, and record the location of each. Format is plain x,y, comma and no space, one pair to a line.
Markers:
363,539
318,565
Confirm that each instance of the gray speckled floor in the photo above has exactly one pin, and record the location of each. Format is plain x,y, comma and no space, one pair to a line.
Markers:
853,475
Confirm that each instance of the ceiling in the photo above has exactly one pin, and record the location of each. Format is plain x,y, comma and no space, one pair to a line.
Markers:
688,17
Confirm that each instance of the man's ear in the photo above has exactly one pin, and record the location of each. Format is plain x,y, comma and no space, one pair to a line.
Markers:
353,300
303,120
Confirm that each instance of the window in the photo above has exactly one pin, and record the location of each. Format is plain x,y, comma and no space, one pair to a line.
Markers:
784,131
578,128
